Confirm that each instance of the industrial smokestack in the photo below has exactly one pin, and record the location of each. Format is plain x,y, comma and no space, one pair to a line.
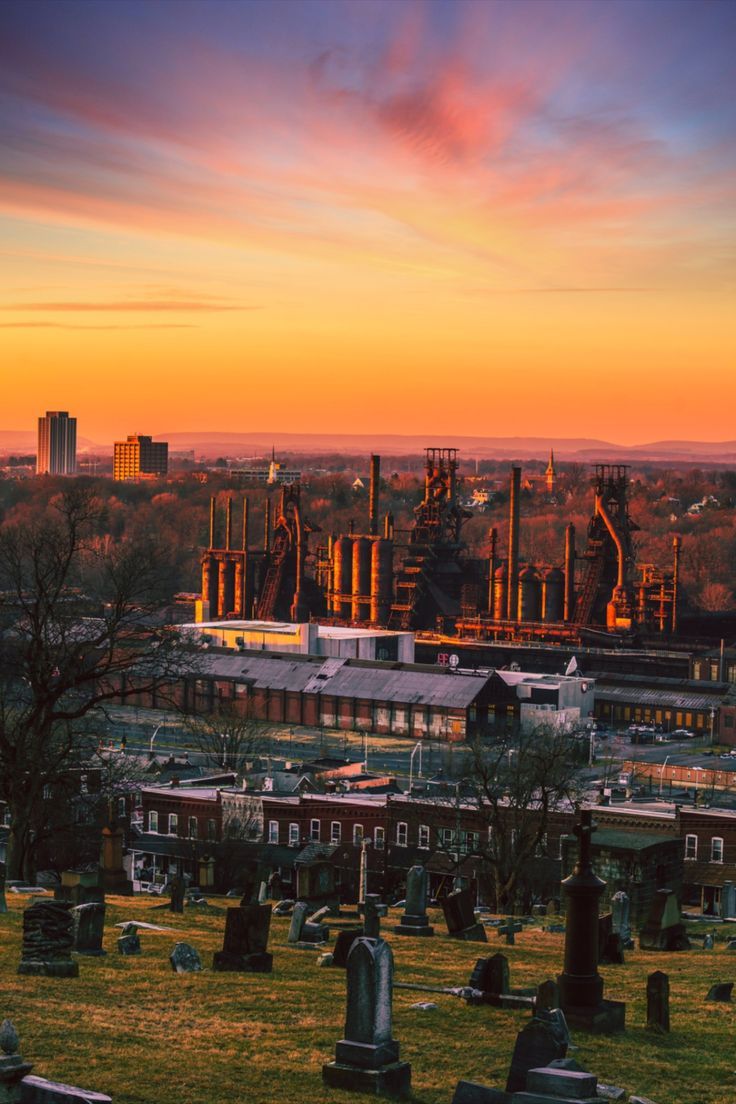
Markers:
228,523
569,603
212,521
493,536
512,597
676,547
245,524
374,495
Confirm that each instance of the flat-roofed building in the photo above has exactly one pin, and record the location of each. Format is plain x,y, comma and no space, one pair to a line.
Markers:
57,444
140,457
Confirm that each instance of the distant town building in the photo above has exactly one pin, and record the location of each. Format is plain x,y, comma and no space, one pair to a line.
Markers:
550,475
274,473
57,444
140,458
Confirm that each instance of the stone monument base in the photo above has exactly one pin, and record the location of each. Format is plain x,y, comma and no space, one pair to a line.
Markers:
97,952
414,925
476,933
49,968
391,1080
604,1018
262,963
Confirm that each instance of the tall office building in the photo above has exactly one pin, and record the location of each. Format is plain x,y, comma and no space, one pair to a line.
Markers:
57,444
140,458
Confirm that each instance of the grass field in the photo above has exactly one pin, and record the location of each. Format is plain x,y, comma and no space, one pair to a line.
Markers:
132,1028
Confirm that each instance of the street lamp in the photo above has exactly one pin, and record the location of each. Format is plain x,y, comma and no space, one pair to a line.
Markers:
153,737
661,776
416,748
224,737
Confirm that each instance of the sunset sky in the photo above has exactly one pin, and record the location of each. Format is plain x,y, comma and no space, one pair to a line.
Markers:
452,217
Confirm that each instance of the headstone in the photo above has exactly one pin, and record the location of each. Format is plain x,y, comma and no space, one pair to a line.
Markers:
611,953
38,1090
460,917
537,1044
263,894
728,901
129,942
177,889
415,920
605,931
326,959
367,1058
48,940
424,1006
343,943
663,929
315,884
81,886
245,942
3,902
571,1084
12,1067
581,986
720,992
509,929
472,1092
548,995
621,925
371,916
491,975
318,916
658,1001
284,908
185,959
708,942
298,920
89,927
553,907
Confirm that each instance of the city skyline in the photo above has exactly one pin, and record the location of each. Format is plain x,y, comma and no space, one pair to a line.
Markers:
449,219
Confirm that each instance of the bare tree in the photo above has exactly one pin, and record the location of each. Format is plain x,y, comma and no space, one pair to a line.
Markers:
225,738
74,625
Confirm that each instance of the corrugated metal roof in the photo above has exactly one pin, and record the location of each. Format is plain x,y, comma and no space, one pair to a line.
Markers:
403,684
656,697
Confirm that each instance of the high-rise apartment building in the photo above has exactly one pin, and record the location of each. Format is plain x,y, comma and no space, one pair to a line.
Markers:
57,444
140,458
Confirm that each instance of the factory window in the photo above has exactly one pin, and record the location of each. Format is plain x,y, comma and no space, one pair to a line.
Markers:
153,821
424,836
314,829
273,831
335,832
691,847
293,835
211,829
192,828
379,838
173,824
716,849
402,833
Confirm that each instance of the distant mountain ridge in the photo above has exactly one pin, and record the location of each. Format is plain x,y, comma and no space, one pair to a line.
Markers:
214,443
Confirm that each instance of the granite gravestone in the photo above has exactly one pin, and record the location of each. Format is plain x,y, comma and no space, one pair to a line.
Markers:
663,929
460,917
13,1069
48,940
303,932
129,942
89,927
620,923
581,986
548,995
177,889
491,975
3,902
537,1044
658,1001
415,920
185,959
720,992
245,942
367,1058
343,944
81,886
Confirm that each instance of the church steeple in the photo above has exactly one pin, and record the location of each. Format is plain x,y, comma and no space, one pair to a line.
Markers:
550,475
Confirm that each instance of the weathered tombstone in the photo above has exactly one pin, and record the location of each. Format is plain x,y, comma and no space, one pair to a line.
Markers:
284,907
343,943
552,907
537,1044
663,929
554,1082
3,902
605,931
89,927
658,1001
509,929
581,986
372,916
177,889
129,942
367,1058
460,917
245,942
708,942
621,925
298,920
728,901
720,992
491,975
12,1067
48,940
548,995
415,920
611,953
263,894
185,959
81,886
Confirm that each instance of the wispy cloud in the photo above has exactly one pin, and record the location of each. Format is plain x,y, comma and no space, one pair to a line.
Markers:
67,326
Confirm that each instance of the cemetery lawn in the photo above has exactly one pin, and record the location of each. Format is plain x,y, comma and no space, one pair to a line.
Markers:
132,1028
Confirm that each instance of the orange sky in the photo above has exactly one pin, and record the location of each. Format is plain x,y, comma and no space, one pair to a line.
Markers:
421,221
